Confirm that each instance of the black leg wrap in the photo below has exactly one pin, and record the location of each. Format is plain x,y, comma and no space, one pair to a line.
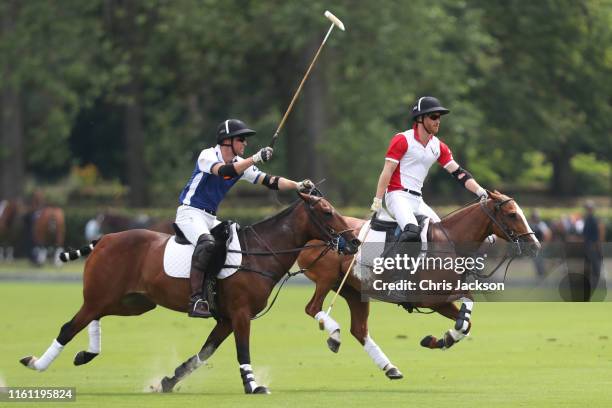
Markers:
459,324
186,368
65,334
167,384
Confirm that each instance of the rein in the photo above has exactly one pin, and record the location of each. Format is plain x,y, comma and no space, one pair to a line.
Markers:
511,236
334,241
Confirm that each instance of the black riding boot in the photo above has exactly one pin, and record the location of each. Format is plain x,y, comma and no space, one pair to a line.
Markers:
410,234
198,305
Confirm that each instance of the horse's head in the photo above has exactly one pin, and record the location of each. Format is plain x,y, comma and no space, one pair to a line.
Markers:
328,225
509,222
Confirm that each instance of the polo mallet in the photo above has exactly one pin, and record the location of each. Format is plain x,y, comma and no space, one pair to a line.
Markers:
335,22
348,272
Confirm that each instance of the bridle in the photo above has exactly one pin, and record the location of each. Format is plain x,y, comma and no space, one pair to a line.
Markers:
335,240
509,233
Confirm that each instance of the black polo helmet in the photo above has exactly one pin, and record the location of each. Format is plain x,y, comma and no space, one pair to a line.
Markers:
232,128
427,104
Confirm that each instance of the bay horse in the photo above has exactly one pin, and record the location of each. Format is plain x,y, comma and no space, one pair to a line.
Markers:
48,231
499,215
124,275
40,229
9,210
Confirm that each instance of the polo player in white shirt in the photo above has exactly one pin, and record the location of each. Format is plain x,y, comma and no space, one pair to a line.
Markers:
409,157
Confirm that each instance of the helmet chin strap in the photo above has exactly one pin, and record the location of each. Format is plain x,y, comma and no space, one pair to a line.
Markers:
231,144
422,121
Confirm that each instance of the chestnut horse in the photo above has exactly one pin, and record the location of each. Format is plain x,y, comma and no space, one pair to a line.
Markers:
48,231
42,229
8,214
499,215
125,276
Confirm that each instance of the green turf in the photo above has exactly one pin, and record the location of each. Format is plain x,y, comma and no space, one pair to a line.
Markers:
519,354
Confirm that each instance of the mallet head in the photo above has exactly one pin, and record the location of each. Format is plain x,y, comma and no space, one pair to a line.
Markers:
334,20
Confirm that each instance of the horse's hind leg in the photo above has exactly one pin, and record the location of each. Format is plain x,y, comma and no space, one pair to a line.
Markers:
83,317
218,334
359,329
132,304
462,326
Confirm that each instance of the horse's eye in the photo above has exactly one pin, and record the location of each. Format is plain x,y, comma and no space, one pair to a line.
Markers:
512,215
327,214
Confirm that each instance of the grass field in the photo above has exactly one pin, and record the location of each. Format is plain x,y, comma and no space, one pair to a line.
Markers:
519,354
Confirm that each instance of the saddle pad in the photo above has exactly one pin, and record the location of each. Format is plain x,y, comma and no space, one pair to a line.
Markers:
373,246
177,258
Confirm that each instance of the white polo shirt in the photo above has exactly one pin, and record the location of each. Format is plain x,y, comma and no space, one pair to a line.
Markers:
414,160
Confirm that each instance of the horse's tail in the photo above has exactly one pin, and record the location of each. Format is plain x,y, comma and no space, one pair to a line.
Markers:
77,253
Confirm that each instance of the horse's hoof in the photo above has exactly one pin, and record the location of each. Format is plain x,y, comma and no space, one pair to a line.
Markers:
28,362
167,384
83,357
261,390
432,343
428,341
394,374
321,324
333,344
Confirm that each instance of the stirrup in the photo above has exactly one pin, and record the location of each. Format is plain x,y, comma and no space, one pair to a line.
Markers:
199,308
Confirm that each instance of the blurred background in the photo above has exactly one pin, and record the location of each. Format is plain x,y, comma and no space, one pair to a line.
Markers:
105,105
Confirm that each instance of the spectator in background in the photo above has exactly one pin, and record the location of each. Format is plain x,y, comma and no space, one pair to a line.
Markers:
593,233
543,234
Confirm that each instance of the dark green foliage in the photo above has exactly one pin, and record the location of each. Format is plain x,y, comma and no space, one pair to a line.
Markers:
137,88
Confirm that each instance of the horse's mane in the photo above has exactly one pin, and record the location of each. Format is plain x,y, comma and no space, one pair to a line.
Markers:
460,212
279,215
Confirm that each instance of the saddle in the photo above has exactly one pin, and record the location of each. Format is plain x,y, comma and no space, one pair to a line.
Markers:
222,234
392,230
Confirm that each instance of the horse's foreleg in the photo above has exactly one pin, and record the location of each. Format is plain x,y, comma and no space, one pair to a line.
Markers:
83,317
218,334
314,309
359,329
462,326
241,325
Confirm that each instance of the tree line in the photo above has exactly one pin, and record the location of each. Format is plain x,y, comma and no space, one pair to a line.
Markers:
137,88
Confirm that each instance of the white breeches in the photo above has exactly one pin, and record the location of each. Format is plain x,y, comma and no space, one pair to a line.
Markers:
194,222
404,207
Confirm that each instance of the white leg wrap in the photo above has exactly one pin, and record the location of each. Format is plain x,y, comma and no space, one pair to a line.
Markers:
51,354
469,304
250,377
330,324
455,334
95,337
375,353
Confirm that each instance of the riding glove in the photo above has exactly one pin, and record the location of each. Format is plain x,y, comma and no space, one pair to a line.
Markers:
263,155
305,186
376,204
482,193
